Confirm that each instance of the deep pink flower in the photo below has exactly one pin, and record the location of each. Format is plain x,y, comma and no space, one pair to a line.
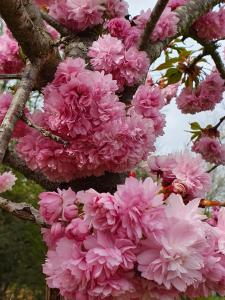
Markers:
117,8
7,181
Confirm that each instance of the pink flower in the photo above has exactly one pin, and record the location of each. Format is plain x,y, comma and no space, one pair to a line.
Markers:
77,229
77,14
211,150
10,61
174,258
170,92
7,181
185,173
176,3
166,26
58,205
106,53
100,209
147,101
134,199
119,27
211,25
204,97
117,8
66,268
52,235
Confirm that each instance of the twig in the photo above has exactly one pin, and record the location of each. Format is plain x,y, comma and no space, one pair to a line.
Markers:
150,26
219,123
23,211
10,76
64,31
44,132
210,48
212,169
16,108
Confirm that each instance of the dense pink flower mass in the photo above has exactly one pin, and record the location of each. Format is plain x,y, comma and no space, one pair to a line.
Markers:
204,97
116,8
98,254
7,180
212,25
81,106
10,61
211,150
127,66
183,173
148,101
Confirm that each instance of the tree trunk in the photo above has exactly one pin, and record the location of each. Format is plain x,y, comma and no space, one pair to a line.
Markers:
53,294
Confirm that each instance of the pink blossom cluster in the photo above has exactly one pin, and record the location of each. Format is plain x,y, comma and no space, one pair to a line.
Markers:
131,244
147,101
127,66
210,149
82,108
181,173
211,26
10,60
79,15
7,181
130,35
169,92
205,97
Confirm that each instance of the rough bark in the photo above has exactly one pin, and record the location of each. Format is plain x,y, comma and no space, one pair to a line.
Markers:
16,108
22,211
25,22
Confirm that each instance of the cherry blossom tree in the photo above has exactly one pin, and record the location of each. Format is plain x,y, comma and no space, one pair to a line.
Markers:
109,233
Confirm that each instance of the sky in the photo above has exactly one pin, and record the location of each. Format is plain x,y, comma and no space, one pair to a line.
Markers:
176,137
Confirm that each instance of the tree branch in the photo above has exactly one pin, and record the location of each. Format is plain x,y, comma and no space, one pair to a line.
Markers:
24,20
64,31
44,132
104,183
10,76
150,26
16,108
211,49
187,15
22,211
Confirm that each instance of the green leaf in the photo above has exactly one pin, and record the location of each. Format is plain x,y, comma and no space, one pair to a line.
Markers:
195,126
173,75
169,63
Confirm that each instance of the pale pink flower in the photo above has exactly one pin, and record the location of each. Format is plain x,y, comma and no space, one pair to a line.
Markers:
170,92
66,268
77,229
58,205
7,181
52,235
210,149
134,199
101,210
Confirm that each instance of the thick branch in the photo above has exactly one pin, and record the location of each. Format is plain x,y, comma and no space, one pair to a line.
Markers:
45,132
150,26
25,22
64,31
210,48
187,16
16,108
22,211
104,183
